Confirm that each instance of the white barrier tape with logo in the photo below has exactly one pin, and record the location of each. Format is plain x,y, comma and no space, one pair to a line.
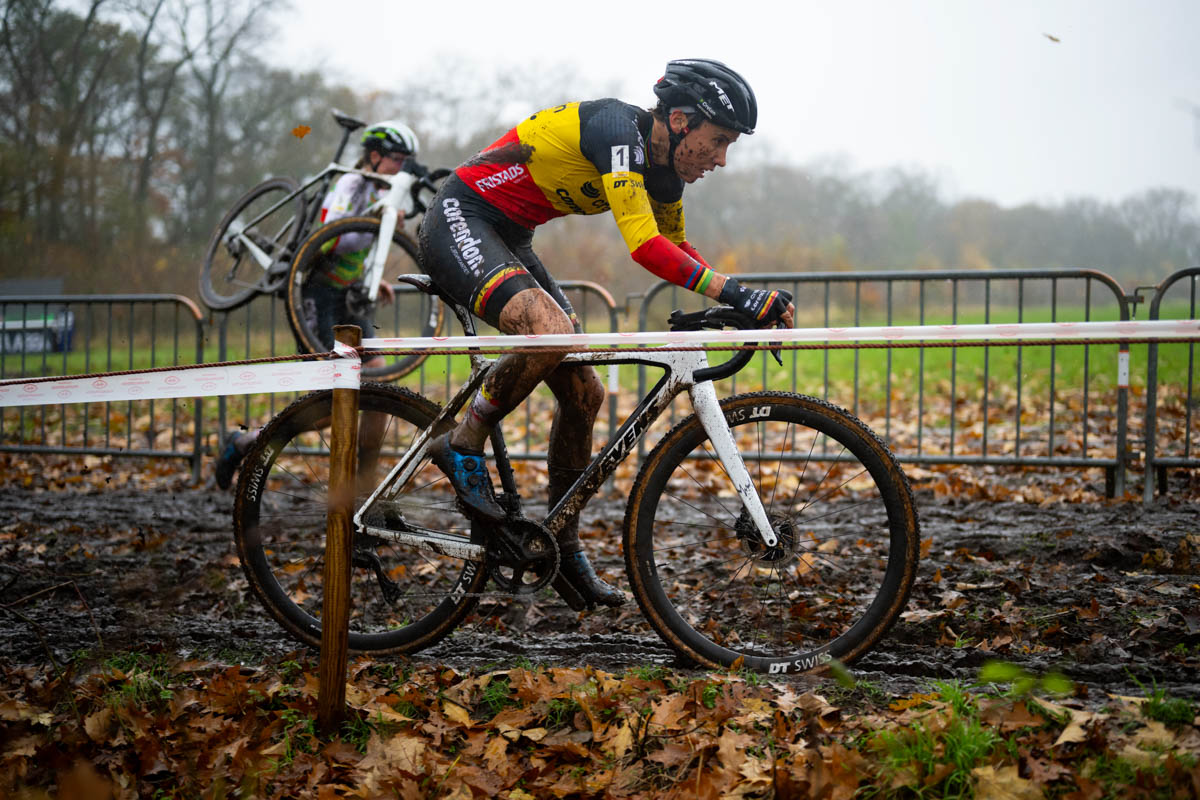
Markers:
345,372
349,367
288,376
1154,329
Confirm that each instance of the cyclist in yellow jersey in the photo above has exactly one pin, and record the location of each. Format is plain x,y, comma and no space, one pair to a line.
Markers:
592,157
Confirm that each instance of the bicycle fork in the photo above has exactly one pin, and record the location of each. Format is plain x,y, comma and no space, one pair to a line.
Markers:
708,411
395,204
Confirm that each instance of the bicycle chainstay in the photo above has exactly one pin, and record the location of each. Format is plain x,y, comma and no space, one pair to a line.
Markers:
518,544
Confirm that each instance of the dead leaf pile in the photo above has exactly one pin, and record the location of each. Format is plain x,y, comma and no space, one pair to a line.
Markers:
195,729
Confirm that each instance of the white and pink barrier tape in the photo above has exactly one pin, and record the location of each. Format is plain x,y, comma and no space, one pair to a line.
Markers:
197,381
344,372
1065,331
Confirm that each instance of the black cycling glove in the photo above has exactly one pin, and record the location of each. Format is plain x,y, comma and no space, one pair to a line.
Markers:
766,306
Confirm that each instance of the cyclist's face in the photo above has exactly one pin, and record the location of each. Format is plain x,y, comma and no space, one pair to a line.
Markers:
702,150
387,164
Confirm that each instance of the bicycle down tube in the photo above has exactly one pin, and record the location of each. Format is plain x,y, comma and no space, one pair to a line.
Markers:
680,372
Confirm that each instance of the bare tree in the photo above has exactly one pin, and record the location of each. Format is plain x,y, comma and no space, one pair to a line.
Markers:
215,33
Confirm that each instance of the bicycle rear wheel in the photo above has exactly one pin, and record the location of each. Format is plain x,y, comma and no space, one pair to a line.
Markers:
401,599
231,275
844,514
413,314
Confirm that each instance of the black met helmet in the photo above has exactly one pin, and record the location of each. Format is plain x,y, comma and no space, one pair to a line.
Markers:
713,89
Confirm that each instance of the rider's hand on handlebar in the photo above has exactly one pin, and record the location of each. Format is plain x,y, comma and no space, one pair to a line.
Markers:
767,306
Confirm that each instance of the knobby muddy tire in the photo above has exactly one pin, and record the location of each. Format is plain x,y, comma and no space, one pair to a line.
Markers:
227,280
279,526
846,516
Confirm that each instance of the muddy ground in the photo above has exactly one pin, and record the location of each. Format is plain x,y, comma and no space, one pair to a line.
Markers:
1107,593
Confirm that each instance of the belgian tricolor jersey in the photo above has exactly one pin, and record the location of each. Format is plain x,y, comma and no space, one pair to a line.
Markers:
588,158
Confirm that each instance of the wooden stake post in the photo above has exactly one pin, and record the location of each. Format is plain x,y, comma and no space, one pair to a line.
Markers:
335,608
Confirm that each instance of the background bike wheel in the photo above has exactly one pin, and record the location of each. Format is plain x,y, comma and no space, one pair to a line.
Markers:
413,314
837,499
279,526
230,275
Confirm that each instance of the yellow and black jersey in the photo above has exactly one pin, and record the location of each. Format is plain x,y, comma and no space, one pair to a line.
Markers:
589,158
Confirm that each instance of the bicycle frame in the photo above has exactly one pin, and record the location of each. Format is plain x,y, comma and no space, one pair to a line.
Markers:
395,205
260,257
683,371
400,185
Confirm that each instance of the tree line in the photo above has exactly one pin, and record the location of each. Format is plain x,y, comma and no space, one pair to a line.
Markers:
127,127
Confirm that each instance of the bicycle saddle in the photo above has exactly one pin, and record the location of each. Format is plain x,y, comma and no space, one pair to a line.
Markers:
348,122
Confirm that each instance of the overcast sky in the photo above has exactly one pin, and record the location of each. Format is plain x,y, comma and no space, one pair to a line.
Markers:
976,93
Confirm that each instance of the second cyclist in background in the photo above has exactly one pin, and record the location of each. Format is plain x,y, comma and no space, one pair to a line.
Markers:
387,148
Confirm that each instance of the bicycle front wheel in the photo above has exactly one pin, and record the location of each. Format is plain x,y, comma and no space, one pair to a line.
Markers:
413,314
402,599
840,505
231,274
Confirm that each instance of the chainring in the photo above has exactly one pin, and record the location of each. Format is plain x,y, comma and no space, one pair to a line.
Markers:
522,556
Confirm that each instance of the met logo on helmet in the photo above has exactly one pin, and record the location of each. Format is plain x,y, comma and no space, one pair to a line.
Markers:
724,98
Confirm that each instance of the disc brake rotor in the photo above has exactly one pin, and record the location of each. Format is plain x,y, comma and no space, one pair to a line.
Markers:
784,527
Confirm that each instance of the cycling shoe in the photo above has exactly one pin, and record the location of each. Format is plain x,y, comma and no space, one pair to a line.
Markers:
468,474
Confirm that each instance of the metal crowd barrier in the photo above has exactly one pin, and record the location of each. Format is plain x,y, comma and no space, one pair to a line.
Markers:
1053,405
261,328
1182,401
43,335
974,385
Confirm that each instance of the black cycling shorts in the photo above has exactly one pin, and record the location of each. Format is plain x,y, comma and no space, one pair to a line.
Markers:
326,306
478,256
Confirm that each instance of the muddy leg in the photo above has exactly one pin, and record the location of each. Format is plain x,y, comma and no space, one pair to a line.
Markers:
580,394
515,375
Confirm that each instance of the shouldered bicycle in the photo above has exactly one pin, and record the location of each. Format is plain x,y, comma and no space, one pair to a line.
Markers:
768,529
266,243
